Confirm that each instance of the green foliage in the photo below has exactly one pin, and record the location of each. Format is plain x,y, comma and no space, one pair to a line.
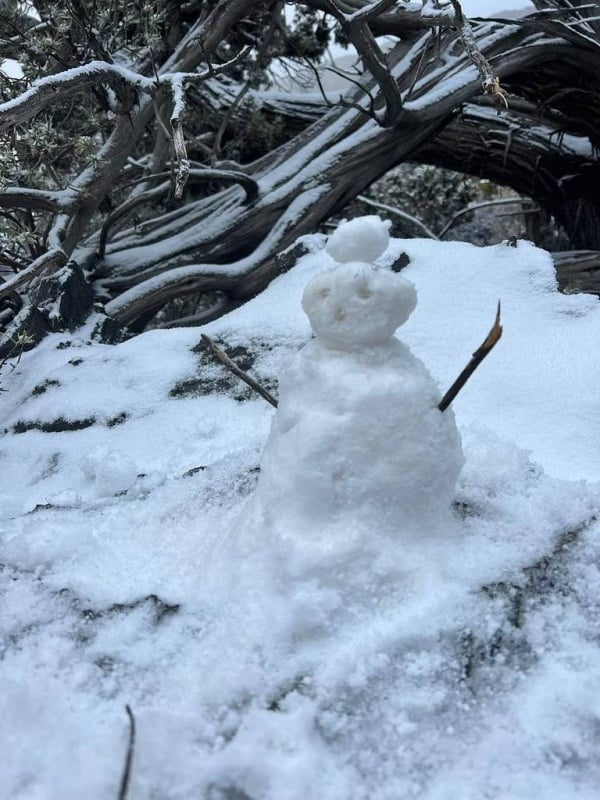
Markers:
429,193
309,34
260,134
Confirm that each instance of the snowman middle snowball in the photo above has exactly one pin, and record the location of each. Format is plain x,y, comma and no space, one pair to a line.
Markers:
357,305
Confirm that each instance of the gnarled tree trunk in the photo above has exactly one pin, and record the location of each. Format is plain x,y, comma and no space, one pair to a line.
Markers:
422,102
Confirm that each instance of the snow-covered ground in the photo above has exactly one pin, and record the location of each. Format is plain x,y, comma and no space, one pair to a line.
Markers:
466,667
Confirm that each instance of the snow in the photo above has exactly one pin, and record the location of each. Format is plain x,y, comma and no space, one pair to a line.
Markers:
463,664
360,239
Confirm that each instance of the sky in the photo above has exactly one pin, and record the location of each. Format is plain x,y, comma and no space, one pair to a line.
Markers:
481,8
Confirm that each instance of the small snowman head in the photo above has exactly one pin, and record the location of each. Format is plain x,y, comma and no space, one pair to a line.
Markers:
361,239
357,305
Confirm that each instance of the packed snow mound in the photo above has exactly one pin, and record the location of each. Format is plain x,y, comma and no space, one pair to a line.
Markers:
357,305
361,239
110,471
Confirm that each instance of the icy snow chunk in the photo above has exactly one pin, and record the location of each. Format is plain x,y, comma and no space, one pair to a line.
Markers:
360,239
110,470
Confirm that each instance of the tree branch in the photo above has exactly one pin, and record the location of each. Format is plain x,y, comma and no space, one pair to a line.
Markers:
398,213
355,27
195,176
51,260
54,88
502,201
35,199
490,82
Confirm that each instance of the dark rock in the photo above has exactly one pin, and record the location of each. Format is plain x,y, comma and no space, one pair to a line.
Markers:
118,420
64,297
402,261
108,331
193,471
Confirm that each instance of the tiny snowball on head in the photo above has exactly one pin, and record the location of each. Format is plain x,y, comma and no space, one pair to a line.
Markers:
360,239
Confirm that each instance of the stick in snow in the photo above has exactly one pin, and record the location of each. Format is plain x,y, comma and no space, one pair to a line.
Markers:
490,341
239,373
123,788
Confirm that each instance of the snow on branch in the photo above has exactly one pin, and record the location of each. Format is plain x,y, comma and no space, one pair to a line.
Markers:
177,82
491,83
370,11
35,199
195,176
53,88
241,278
52,259
178,141
437,16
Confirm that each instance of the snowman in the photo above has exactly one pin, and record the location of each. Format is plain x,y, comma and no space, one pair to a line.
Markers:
358,444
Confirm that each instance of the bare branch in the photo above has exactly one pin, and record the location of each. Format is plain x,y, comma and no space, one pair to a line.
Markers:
398,213
488,345
476,206
490,82
179,148
177,82
239,373
356,29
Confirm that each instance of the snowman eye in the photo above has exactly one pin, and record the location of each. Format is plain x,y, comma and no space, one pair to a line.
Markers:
324,293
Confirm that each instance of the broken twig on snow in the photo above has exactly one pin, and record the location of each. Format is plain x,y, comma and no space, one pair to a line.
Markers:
124,786
239,373
490,341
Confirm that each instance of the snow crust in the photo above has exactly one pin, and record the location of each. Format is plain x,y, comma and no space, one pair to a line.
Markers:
460,665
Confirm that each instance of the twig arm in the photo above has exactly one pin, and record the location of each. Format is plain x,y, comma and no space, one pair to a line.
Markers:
239,373
488,345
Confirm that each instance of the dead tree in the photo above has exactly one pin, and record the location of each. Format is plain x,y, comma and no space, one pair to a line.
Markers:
516,101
